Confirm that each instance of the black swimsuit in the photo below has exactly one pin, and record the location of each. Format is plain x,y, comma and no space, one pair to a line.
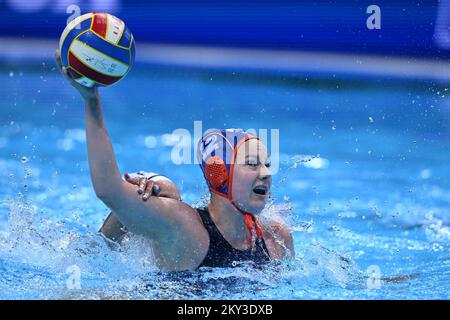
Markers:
222,254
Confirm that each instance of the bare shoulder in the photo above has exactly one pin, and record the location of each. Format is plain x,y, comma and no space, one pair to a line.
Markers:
186,243
180,241
278,238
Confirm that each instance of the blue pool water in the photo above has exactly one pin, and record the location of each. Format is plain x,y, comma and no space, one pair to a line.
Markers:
373,203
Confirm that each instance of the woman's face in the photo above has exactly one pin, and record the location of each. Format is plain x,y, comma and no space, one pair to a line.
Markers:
251,177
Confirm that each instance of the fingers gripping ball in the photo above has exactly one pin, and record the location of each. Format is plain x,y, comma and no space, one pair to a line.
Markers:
216,172
97,49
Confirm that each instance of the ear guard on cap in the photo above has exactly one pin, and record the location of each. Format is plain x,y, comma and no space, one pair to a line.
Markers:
216,171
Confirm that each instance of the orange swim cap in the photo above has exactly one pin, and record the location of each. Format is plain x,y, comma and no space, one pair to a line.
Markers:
218,149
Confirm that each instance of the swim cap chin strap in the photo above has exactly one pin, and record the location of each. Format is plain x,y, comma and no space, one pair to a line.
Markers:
250,223
249,219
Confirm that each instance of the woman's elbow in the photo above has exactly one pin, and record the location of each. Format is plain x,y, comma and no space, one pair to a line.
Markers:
103,198
107,191
104,194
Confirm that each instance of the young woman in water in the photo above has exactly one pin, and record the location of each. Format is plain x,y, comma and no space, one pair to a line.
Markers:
235,165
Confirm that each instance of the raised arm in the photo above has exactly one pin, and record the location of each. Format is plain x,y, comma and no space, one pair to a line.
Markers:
166,220
102,163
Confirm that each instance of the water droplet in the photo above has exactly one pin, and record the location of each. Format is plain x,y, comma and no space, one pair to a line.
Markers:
24,159
436,247
11,74
371,119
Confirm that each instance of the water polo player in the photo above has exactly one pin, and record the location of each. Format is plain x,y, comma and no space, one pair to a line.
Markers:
235,166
